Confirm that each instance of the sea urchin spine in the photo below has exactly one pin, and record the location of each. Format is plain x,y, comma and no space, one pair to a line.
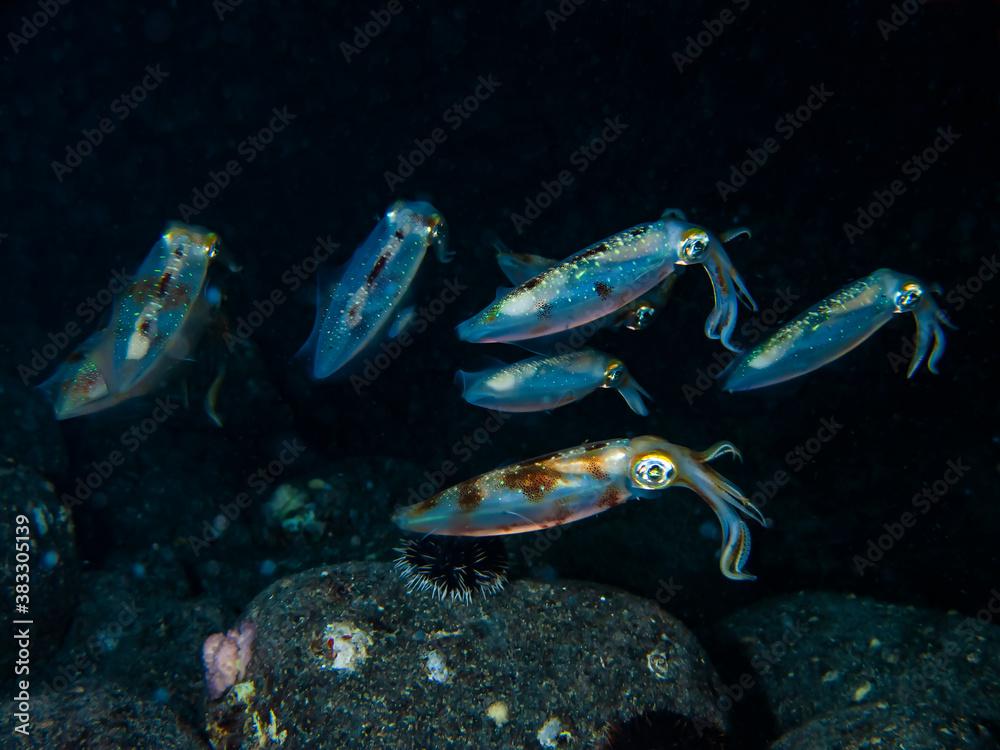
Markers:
453,568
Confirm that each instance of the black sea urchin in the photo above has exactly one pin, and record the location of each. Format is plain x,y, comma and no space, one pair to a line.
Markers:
453,567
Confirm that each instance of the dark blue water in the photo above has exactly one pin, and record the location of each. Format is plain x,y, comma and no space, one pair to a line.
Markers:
847,138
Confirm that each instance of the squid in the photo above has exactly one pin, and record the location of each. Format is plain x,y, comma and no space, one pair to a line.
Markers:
163,312
635,316
608,275
835,326
548,382
354,309
579,482
79,386
155,323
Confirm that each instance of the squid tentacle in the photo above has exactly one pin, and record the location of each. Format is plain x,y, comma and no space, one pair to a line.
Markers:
735,497
921,344
735,549
729,292
723,448
728,502
931,321
721,322
731,234
938,351
443,253
735,534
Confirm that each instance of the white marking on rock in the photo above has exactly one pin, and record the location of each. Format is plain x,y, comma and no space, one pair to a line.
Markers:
437,670
347,644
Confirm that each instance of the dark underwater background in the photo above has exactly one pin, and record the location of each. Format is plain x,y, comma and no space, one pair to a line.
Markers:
545,126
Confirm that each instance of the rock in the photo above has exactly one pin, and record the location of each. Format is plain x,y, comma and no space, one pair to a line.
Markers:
28,504
813,653
344,657
30,435
139,627
104,717
882,725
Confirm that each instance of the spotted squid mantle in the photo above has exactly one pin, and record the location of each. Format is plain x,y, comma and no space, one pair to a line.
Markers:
572,484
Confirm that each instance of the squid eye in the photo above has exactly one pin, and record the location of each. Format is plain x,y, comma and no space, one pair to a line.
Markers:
653,471
908,297
694,246
614,374
439,230
640,317
214,245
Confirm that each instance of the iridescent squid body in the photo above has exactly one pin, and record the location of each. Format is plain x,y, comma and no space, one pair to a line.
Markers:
605,277
833,327
579,482
547,382
356,307
163,313
635,316
79,385
155,323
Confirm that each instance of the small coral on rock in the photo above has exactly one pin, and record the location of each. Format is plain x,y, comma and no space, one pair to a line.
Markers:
225,656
